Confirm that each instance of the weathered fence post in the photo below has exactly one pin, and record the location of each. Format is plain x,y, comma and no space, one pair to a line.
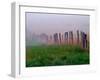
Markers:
59,38
71,37
62,40
84,39
77,36
66,37
56,38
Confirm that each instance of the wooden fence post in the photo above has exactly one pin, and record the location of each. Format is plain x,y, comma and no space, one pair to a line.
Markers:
70,37
77,36
66,37
56,38
84,39
59,38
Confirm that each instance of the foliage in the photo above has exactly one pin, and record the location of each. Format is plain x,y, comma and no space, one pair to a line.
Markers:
54,55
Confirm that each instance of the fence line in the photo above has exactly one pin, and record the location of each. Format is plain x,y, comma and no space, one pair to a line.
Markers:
69,38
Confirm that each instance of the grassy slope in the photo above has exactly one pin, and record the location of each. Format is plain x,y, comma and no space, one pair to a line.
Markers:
56,55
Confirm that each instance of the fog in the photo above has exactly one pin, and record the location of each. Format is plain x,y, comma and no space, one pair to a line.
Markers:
44,23
50,23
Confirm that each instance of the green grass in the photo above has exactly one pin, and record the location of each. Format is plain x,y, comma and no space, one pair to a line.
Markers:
54,55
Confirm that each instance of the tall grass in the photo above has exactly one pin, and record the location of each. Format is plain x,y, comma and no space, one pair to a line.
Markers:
54,55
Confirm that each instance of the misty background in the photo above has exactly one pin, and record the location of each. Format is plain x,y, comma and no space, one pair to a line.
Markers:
38,24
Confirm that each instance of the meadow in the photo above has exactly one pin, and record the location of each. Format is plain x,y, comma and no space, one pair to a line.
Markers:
54,55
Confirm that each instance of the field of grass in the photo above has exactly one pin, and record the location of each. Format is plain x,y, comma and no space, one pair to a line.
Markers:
54,55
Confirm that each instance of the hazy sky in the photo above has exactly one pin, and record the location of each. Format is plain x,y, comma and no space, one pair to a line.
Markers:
50,23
